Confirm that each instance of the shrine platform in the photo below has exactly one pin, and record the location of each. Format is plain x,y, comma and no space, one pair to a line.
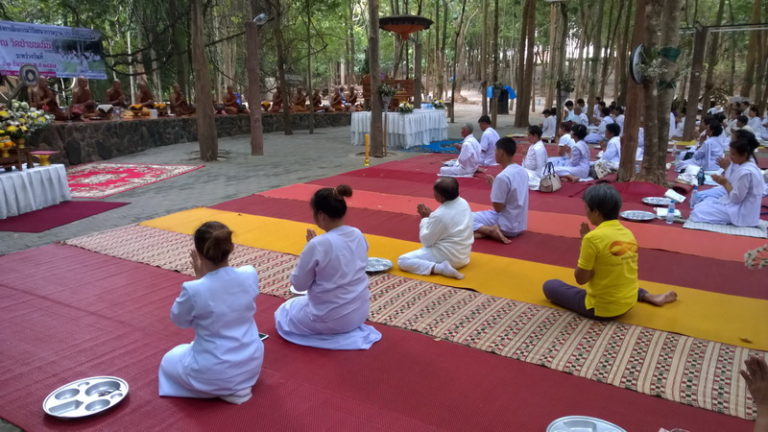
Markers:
89,141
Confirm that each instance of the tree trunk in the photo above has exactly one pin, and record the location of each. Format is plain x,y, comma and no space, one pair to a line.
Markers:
694,86
549,75
712,58
206,125
459,32
752,52
495,72
177,44
277,28
253,64
596,55
634,104
377,144
662,30
417,88
526,72
520,70
308,11
351,42
484,59
621,67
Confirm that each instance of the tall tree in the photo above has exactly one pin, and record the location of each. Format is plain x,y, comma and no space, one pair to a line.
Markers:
456,57
377,144
528,62
634,102
484,58
206,124
282,61
662,44
712,58
495,72
594,61
752,52
253,64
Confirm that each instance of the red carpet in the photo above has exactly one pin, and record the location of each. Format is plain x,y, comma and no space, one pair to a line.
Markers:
658,266
111,317
104,179
55,216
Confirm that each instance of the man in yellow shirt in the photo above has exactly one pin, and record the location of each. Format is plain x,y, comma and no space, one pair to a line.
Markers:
607,264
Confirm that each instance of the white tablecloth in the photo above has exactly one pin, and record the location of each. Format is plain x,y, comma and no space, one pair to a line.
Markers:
32,189
420,127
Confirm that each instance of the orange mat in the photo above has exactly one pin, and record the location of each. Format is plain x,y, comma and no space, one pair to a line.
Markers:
674,239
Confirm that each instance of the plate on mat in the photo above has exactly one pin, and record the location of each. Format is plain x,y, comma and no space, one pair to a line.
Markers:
637,215
376,265
85,397
582,424
656,201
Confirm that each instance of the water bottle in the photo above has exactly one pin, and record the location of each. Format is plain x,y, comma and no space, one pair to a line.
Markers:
693,196
671,212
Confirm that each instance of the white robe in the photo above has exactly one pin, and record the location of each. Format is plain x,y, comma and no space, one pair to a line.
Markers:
578,164
488,147
549,127
620,121
705,156
225,357
756,124
612,154
536,158
468,162
510,188
740,207
672,125
446,235
331,269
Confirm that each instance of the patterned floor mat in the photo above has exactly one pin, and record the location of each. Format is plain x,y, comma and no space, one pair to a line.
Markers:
683,369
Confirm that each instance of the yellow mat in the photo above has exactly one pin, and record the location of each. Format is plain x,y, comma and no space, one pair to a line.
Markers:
713,316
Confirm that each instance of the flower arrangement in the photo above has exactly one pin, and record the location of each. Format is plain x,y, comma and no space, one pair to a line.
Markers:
387,91
19,122
438,104
405,108
136,107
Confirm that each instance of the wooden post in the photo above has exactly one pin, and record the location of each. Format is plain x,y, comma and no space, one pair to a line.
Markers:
367,160
206,124
377,146
694,89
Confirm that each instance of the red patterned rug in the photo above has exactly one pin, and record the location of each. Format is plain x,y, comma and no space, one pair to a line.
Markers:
104,179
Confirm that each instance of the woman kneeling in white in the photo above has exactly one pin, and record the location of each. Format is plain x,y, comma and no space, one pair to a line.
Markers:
331,270
737,201
225,358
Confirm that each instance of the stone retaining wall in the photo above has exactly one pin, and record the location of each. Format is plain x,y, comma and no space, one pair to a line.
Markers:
89,141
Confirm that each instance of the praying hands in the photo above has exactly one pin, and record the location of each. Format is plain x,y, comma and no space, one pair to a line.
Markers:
423,210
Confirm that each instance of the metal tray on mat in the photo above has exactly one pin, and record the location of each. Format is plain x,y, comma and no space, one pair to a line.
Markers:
656,201
638,215
376,265
582,424
85,397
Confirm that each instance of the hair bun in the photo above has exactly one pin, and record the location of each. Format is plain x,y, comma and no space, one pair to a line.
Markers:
343,190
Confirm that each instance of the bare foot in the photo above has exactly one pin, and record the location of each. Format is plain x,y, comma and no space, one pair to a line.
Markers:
659,299
495,233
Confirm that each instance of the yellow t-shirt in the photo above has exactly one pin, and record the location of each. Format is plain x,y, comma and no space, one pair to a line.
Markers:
610,250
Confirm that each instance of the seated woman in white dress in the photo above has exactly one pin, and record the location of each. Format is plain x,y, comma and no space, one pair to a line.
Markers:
331,270
611,157
708,151
737,200
564,144
535,159
578,163
225,358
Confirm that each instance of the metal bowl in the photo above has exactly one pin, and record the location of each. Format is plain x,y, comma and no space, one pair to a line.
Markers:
582,424
85,397
656,201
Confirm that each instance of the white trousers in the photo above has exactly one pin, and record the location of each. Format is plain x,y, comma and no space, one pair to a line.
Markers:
418,262
456,171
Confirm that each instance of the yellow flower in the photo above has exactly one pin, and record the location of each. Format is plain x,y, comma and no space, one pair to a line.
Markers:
22,120
11,129
2,132
24,129
4,114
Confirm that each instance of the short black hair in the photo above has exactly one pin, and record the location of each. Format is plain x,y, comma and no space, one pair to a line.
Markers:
447,187
535,130
614,129
566,126
604,199
716,128
742,119
580,101
508,145
744,142
484,119
569,103
545,112
605,111
330,201
579,131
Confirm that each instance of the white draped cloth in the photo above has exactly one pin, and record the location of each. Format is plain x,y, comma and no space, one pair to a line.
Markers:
32,189
420,127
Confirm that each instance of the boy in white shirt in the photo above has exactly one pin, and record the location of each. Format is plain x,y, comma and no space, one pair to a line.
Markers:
509,197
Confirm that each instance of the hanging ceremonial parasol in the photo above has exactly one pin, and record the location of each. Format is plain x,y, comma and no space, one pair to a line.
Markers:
404,25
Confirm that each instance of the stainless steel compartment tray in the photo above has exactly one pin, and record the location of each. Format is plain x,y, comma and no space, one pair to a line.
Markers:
85,397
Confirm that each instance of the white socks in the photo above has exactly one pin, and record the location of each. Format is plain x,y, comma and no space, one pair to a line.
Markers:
445,269
238,398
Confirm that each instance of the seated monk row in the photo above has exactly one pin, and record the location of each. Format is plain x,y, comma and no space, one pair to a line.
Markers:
338,103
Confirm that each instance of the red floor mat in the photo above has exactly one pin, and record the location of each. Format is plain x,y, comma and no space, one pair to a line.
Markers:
63,324
55,216
658,266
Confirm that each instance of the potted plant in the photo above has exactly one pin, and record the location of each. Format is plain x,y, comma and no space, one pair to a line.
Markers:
405,108
386,92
